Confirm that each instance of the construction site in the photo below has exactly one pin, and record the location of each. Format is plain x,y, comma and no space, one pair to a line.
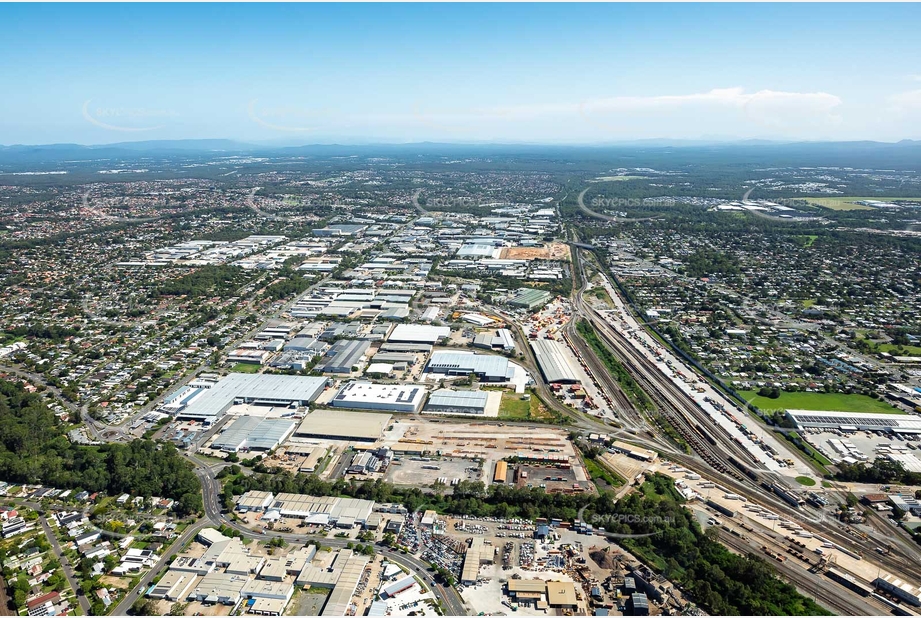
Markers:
550,251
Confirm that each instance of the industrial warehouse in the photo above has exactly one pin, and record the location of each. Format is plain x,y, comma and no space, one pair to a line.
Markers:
342,425
343,356
389,397
252,433
260,389
530,299
321,510
487,368
446,401
553,362
856,421
418,333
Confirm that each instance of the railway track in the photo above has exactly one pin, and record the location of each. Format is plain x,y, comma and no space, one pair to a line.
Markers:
827,593
686,417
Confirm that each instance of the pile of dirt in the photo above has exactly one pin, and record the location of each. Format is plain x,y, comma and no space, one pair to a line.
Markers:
604,558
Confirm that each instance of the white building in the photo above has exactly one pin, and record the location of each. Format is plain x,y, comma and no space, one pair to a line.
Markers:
390,397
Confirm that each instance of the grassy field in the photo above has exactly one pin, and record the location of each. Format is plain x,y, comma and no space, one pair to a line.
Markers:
808,239
836,402
513,407
598,472
805,480
245,368
602,295
848,203
907,350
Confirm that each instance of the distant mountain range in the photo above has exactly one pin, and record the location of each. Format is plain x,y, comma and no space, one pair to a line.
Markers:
877,152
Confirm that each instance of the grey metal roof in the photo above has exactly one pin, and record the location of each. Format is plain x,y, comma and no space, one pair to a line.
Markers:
343,355
458,399
252,388
254,433
553,364
466,362
424,333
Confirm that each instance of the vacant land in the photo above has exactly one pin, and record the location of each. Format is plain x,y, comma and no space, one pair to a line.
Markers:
551,251
245,368
618,178
513,407
598,472
836,402
848,203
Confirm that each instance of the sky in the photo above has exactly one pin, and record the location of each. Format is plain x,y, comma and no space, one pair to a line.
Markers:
537,73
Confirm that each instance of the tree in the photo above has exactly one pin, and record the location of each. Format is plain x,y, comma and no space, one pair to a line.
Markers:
111,561
189,504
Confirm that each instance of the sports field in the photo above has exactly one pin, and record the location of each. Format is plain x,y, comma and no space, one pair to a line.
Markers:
832,402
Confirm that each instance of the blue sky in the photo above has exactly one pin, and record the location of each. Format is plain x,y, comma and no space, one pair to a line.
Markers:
587,73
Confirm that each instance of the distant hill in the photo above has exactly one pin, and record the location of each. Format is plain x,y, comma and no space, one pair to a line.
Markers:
901,155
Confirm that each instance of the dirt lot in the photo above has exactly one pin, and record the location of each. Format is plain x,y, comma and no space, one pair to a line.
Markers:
550,251
307,602
410,472
537,477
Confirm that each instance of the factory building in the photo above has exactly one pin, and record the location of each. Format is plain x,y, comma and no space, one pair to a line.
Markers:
446,401
856,421
389,397
530,299
342,576
320,510
364,463
343,356
252,433
342,425
487,368
401,585
396,358
254,501
553,362
425,348
223,588
501,340
418,333
257,389
173,586
476,555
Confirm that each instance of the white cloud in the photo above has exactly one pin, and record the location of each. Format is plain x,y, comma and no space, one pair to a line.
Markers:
905,101
764,106
728,97
914,78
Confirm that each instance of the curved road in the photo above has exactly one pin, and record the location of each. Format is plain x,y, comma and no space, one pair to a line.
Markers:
591,213
211,490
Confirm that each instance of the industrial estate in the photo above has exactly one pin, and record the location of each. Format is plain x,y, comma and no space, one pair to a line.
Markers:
655,378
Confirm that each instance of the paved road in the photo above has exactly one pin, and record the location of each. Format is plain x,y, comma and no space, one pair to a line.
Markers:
187,535
65,565
211,488
591,213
